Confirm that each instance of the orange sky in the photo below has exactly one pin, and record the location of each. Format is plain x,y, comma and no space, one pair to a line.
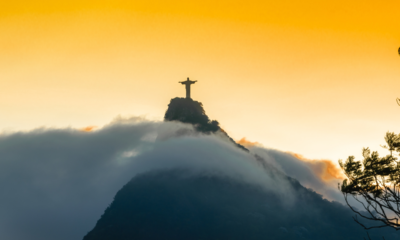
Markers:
313,77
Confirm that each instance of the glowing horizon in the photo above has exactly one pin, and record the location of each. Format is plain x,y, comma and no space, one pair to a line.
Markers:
316,78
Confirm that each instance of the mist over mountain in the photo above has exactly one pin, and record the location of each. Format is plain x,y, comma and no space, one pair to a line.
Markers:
57,183
208,194
173,205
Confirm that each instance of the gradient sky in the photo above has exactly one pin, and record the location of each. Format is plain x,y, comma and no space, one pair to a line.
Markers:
312,77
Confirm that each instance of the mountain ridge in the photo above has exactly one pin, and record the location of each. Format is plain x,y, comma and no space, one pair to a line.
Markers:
176,204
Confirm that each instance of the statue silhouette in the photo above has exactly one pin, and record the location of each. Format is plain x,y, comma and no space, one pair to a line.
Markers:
188,83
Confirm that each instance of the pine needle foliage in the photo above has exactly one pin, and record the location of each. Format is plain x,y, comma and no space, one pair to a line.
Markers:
374,182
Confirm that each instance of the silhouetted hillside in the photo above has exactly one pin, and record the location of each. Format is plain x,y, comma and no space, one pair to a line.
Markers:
174,205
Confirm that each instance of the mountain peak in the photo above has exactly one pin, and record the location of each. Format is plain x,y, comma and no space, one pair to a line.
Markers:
187,110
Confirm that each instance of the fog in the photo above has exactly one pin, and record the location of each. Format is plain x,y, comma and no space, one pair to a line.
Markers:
56,183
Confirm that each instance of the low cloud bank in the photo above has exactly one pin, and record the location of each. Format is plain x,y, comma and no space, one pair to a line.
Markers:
310,173
56,183
320,175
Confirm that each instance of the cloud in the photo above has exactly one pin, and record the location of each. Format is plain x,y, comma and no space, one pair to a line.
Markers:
88,128
247,143
325,169
56,183
321,176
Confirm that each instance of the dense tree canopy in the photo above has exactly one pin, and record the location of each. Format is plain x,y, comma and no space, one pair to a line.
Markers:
374,182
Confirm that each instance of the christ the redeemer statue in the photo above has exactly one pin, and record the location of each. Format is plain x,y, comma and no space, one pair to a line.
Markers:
188,83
